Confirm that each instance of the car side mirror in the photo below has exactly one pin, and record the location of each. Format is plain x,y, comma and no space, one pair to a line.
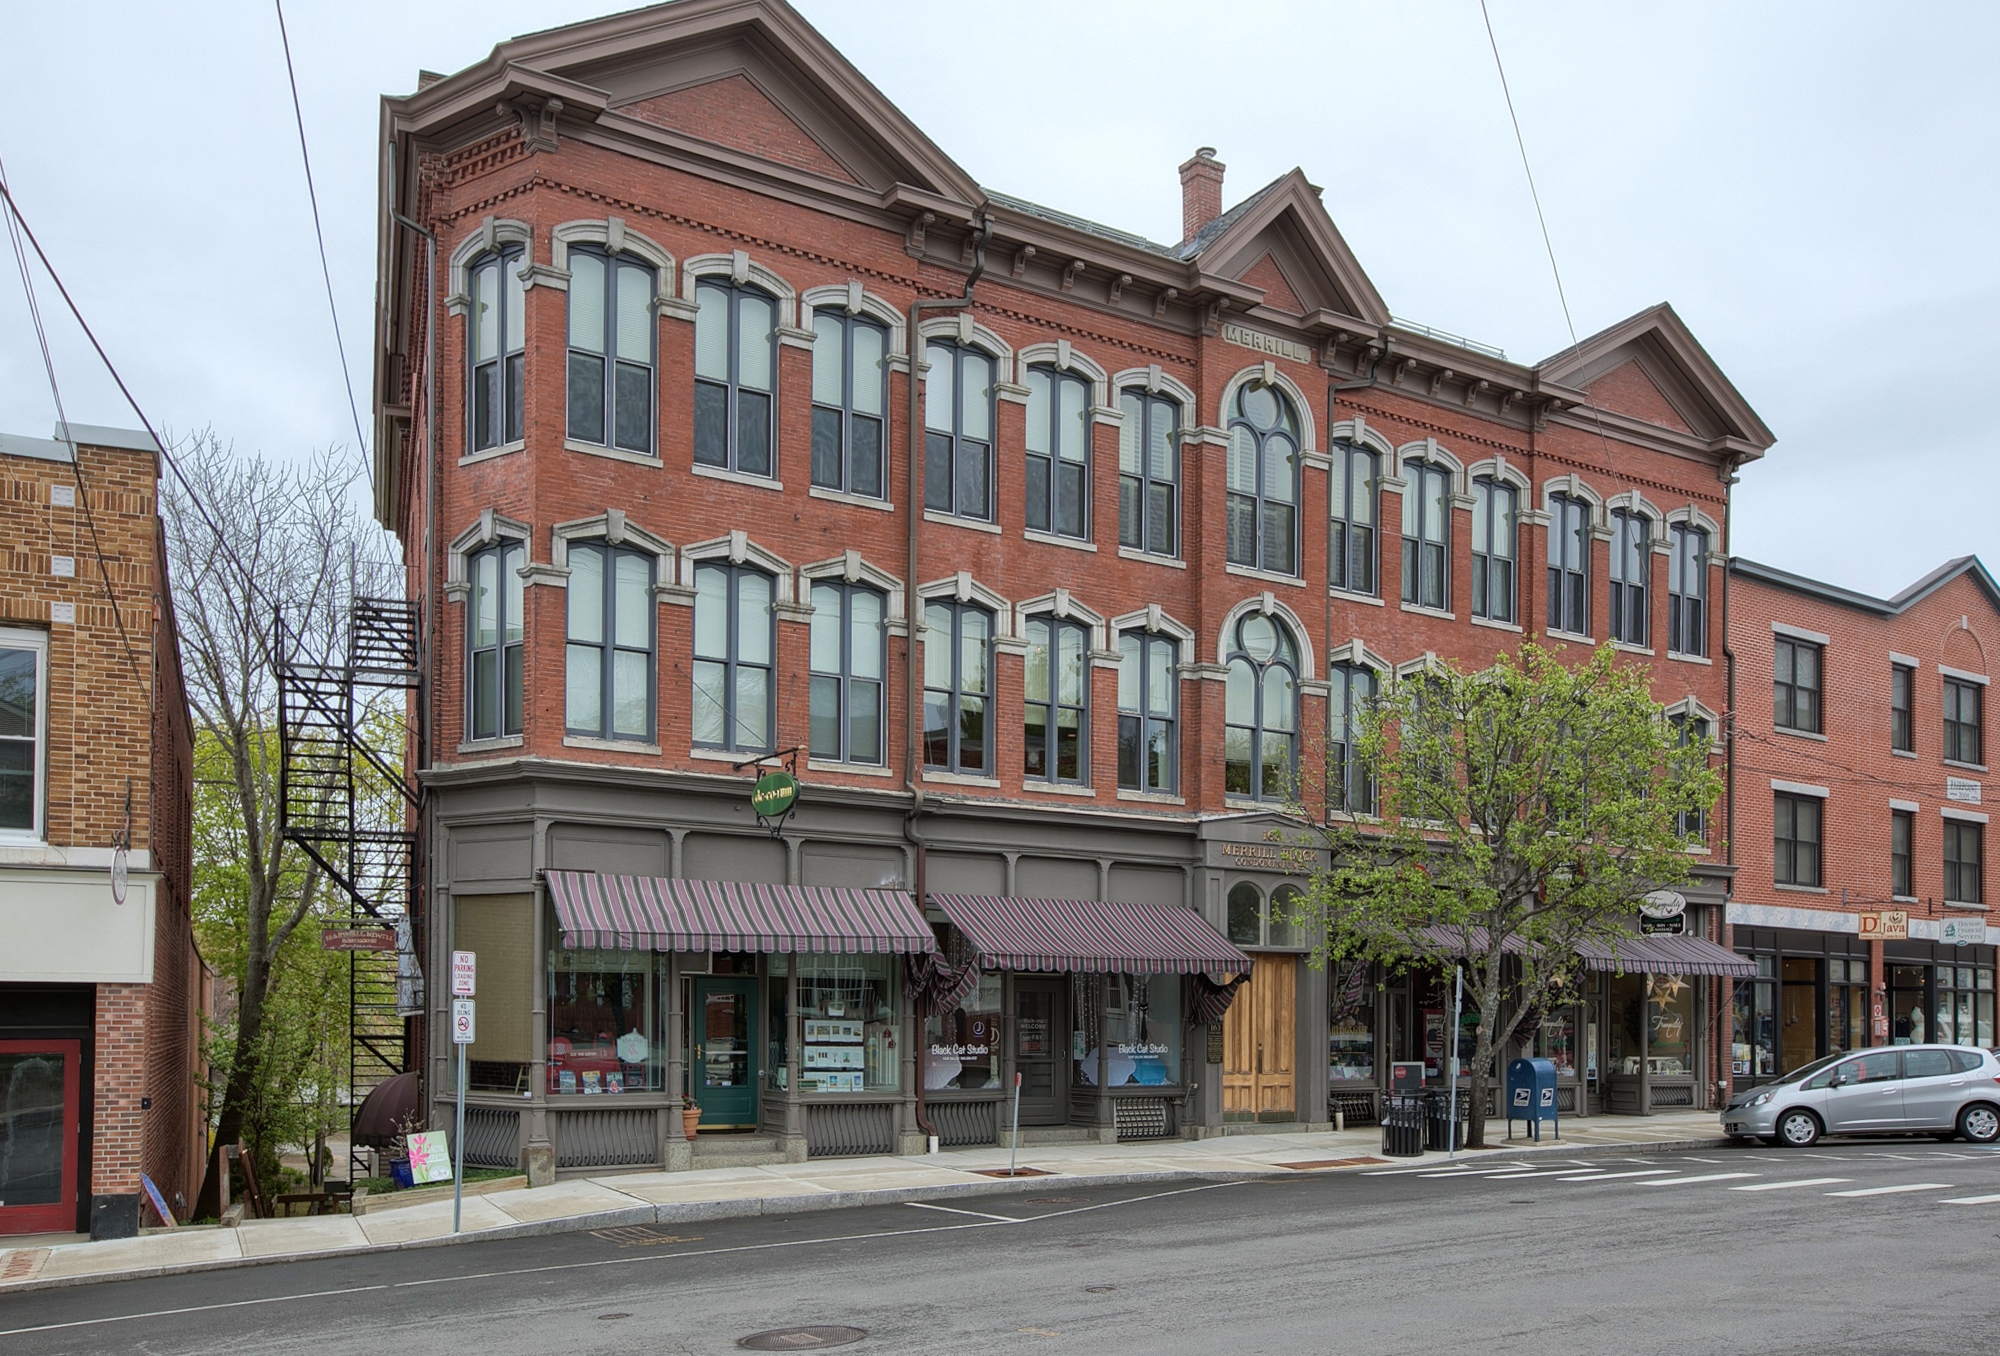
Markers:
1840,1081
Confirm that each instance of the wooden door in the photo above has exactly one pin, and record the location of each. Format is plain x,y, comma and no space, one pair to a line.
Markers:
725,1053
1260,1040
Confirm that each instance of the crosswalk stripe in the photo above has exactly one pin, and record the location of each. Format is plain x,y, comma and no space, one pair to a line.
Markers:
1705,1177
1608,1176
1796,1182
1971,1200
1895,1190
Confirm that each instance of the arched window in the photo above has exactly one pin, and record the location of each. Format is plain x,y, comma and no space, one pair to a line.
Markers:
1148,691
849,654
1350,787
1352,554
734,636
1254,921
1149,473
1263,480
494,322
611,333
850,403
609,660
1260,746
1058,483
493,636
1493,550
1631,567
958,667
1569,565
735,369
1426,532
1687,590
1055,701
958,431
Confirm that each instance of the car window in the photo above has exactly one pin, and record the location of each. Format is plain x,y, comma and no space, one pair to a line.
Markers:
1968,1061
1882,1067
1804,1072
1928,1063
1848,1072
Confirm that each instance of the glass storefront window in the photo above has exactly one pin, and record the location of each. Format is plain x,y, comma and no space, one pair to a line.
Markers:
1753,1049
1666,1003
604,1022
1964,1005
848,1029
1141,1026
962,1047
1555,1041
1350,1035
1846,1005
1908,992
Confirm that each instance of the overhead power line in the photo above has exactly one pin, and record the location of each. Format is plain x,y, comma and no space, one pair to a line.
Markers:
1528,169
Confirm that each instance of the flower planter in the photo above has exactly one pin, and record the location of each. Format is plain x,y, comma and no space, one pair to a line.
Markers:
690,1118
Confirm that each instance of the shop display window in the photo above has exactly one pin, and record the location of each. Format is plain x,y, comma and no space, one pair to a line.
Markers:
1140,1028
962,1047
1846,1004
1753,1051
1665,1003
1909,995
1350,1034
1555,1041
605,1022
848,1037
778,1031
1964,1006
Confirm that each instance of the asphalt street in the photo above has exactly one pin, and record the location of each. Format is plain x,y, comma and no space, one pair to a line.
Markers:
1877,1247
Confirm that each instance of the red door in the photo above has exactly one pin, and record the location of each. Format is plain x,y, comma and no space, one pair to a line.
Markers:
38,1135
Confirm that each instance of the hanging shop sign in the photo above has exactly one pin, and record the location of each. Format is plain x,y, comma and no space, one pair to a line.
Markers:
357,939
1663,904
1890,925
774,795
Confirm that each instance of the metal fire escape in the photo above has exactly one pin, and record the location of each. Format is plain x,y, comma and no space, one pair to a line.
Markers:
349,809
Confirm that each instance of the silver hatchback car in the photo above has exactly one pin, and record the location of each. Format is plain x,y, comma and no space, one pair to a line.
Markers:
1946,1090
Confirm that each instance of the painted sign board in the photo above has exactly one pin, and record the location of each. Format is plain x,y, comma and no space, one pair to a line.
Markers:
464,969
461,1021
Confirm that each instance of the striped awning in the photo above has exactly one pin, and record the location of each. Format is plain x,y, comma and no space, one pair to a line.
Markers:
649,913
1090,936
1664,954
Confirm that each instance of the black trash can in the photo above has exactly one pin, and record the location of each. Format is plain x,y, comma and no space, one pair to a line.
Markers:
1438,1120
1402,1125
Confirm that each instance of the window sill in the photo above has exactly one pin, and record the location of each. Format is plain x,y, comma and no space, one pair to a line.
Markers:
1903,753
851,500
1058,789
1626,647
1964,907
488,745
953,520
1496,625
1800,734
1568,637
1968,767
1150,557
727,755
1053,539
1800,889
1904,899
1350,596
960,779
1249,572
1420,610
609,745
1150,797
611,453
1247,803
737,477
858,769
504,450
1690,658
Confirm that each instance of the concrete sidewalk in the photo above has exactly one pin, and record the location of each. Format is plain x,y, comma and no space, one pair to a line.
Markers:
788,1188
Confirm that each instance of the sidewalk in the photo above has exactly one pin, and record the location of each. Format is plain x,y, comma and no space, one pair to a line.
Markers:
788,1188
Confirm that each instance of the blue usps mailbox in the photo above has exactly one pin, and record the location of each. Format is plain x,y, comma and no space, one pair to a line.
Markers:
1531,1096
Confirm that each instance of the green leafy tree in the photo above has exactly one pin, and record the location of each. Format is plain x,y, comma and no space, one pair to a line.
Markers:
1524,812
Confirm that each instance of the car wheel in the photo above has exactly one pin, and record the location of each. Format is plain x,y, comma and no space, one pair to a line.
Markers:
1980,1124
1800,1129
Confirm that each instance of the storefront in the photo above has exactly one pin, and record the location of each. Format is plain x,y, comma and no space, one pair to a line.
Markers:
1808,995
1939,993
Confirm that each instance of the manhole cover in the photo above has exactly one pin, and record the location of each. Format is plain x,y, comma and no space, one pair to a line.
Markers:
812,1337
1012,1172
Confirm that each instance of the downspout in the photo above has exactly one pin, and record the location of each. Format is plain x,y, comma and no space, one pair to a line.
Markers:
913,619
1728,478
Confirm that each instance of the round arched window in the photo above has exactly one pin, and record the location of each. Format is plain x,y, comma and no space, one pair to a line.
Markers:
1263,480
1260,742
1246,914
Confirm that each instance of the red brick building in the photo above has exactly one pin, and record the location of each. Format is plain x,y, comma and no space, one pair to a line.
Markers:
653,292
1858,794
100,986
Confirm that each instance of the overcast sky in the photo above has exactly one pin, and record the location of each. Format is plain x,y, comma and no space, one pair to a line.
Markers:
1813,187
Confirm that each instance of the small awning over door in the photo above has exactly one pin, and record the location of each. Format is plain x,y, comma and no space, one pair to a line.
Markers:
1090,936
651,913
1665,954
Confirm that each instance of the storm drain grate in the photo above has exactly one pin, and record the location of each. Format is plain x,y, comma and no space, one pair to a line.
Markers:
640,1236
1012,1172
812,1337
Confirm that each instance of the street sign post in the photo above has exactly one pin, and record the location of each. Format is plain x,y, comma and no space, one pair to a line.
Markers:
464,965
462,1028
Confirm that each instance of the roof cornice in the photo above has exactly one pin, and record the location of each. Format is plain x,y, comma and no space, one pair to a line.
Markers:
1863,602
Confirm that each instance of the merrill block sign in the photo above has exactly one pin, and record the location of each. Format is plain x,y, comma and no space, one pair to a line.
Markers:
1269,344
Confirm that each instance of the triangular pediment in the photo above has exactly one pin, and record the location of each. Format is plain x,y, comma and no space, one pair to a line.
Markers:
1629,389
1282,234
1650,367
733,110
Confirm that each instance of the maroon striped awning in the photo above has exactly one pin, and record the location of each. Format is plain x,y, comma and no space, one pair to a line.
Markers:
1090,936
1665,954
649,913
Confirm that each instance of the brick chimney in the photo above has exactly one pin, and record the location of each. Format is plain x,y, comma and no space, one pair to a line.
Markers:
1201,192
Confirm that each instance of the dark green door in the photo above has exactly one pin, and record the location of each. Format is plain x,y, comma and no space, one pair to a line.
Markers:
725,1053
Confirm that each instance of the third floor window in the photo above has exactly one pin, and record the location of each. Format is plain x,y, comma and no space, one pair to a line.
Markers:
1263,480
1352,551
1902,708
1631,567
495,324
1058,472
958,431
1493,550
611,332
850,404
1687,590
1426,534
1961,722
1796,685
735,370
1149,473
1569,565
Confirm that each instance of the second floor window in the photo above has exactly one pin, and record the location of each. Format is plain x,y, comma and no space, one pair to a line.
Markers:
497,377
958,432
849,654
1902,844
1350,786
1058,481
493,641
609,661
1352,551
1426,534
1263,479
1631,567
1962,884
1795,685
1493,550
850,404
1055,701
1569,565
23,692
1688,729
1148,693
735,371
1149,473
1902,708
734,636
611,332
1261,703
1798,825
1961,722
1687,590
958,688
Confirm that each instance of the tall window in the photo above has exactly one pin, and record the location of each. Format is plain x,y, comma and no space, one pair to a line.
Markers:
1148,694
850,403
1961,722
958,664
1569,565
735,369
1350,787
1493,550
1055,701
611,333
495,322
1352,553
493,637
1631,565
1687,590
23,684
1260,743
1687,730
1902,843
958,431
1058,485
1426,530
849,654
734,636
1961,862
1795,681
1797,839
1149,473
1902,708
1263,480
609,680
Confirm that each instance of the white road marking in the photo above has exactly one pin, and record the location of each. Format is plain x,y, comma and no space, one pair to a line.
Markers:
1710,1161
1608,1176
1895,1190
1796,1182
1971,1200
950,1210
1705,1177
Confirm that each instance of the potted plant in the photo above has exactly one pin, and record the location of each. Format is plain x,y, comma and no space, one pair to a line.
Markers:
690,1115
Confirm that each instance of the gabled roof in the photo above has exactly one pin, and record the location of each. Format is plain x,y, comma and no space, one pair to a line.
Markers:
1287,220
1881,607
1677,366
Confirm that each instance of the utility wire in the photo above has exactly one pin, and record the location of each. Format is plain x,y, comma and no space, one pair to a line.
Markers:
1527,169
319,233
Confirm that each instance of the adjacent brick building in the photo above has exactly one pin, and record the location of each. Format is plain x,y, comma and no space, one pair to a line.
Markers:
101,989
